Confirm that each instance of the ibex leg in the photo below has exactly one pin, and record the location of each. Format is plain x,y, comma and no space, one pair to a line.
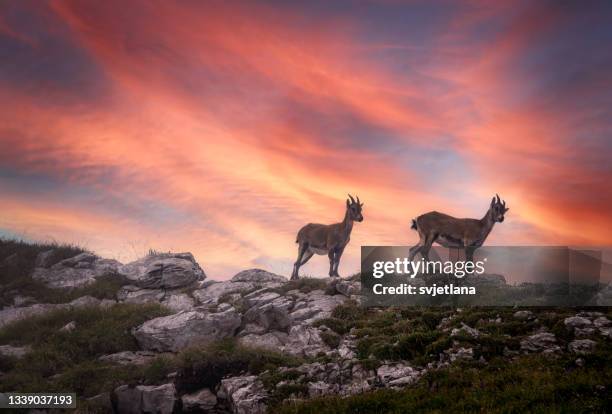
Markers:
337,261
332,262
296,266
306,257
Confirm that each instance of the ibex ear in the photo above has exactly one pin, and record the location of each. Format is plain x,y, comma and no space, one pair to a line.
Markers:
506,209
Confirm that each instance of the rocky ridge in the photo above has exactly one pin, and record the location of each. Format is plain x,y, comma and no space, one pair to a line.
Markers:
262,310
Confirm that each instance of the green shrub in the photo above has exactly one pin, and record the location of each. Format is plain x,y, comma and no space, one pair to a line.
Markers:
337,325
15,275
530,384
69,360
205,367
331,339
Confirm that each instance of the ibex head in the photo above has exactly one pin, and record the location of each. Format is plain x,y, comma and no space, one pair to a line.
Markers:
354,208
498,209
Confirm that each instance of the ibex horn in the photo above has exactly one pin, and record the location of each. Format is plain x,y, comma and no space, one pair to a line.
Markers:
351,197
498,200
358,202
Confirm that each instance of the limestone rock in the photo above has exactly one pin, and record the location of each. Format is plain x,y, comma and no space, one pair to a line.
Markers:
14,351
210,294
523,315
245,394
541,342
397,374
164,270
582,346
134,294
77,271
465,329
574,322
129,357
178,302
202,400
258,276
184,329
159,399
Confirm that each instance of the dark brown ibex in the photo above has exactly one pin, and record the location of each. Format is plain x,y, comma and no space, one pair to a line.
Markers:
453,232
330,239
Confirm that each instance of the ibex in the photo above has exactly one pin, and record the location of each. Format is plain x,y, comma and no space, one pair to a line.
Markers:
453,232
330,239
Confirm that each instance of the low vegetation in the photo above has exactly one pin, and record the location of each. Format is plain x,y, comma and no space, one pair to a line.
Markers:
533,384
68,359
17,261
205,367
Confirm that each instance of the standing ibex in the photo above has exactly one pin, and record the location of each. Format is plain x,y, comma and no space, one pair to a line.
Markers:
330,239
452,232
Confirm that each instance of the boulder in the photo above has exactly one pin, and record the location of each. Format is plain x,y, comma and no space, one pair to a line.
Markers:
178,302
523,315
69,327
9,315
134,294
398,374
348,288
259,276
14,351
202,400
601,322
77,271
541,342
245,394
465,329
273,315
260,297
184,329
574,322
582,346
127,399
314,306
129,357
210,294
163,271
158,399
271,340
304,340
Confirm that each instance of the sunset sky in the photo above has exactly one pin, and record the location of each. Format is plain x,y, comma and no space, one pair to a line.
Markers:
221,128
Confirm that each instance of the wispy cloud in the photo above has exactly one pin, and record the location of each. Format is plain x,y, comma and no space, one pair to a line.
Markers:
222,128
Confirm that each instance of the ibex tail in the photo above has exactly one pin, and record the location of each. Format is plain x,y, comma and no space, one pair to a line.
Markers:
414,225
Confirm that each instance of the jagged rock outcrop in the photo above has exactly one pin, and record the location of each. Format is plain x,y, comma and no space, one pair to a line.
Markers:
184,329
545,342
159,399
163,271
130,357
14,351
582,346
259,276
245,281
77,271
200,401
9,315
244,395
